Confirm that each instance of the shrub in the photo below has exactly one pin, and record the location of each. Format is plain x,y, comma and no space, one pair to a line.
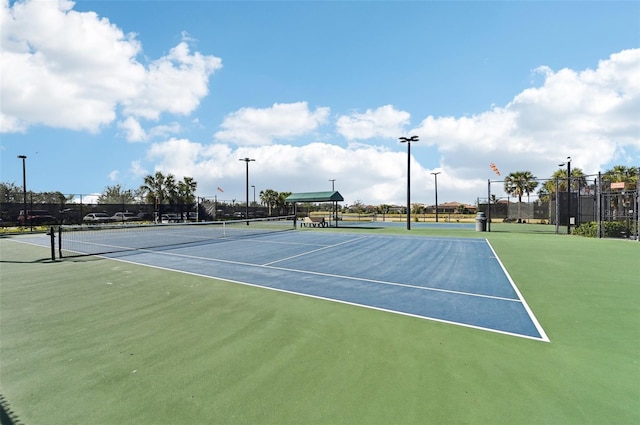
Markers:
589,230
611,229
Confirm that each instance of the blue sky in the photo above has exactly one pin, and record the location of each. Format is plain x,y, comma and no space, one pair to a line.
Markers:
99,93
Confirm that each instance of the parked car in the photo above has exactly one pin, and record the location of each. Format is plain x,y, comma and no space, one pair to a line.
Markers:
170,218
125,216
35,217
96,218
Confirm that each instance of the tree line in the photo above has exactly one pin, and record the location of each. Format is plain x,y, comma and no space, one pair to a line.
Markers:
520,183
159,189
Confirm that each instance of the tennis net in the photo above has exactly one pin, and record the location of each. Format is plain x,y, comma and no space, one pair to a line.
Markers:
105,239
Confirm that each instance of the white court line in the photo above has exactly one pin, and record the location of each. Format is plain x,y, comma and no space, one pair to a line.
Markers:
543,337
532,316
337,276
370,307
316,250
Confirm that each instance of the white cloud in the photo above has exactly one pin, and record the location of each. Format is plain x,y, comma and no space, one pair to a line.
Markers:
253,126
174,83
385,121
591,115
137,170
362,172
68,69
133,130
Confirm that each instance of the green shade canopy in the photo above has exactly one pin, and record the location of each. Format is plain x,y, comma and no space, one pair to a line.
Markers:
315,197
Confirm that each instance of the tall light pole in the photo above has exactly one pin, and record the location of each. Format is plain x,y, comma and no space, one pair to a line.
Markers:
247,161
408,141
333,186
435,175
568,164
24,188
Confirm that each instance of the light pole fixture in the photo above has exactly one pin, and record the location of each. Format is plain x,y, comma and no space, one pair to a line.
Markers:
435,175
568,164
24,188
408,141
247,161
333,186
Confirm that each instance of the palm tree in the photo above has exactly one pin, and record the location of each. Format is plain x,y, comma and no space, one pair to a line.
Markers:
628,175
620,173
578,180
269,198
281,202
518,183
158,188
186,190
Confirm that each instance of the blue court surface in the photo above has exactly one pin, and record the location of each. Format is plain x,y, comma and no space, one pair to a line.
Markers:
456,281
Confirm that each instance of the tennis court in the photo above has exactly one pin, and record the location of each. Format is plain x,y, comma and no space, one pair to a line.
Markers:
125,339
459,281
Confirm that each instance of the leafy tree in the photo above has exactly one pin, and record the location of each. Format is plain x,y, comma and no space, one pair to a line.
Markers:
417,209
116,195
10,193
358,207
518,183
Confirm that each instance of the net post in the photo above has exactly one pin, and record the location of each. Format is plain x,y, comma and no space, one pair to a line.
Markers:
52,237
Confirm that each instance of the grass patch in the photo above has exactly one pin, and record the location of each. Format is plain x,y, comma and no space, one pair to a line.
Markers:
101,341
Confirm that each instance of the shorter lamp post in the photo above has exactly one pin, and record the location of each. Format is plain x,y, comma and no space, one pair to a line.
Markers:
24,188
435,175
568,164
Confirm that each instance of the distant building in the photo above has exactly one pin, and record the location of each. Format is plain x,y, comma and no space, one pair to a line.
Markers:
452,208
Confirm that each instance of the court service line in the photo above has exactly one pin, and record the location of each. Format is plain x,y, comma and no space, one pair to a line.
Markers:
337,276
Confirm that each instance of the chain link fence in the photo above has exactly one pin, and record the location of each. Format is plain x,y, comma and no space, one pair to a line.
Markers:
592,205
69,211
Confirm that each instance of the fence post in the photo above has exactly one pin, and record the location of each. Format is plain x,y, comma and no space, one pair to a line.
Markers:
637,208
557,208
599,205
488,205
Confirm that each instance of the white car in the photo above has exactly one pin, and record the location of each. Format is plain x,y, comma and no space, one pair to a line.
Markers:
124,216
95,218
